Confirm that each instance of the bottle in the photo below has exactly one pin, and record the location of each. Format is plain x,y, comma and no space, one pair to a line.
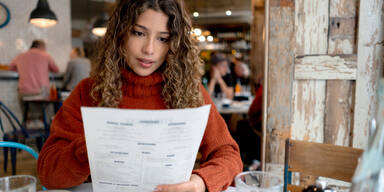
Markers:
237,88
53,92
369,174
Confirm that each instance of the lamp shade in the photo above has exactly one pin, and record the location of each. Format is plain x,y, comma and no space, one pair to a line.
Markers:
100,26
42,15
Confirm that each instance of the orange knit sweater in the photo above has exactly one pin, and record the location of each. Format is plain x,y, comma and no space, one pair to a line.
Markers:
63,161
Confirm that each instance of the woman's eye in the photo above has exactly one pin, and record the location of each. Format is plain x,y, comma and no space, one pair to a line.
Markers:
138,33
165,40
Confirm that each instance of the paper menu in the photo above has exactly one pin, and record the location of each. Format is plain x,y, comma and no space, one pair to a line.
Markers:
136,150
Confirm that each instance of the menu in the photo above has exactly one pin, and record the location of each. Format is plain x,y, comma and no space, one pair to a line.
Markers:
136,150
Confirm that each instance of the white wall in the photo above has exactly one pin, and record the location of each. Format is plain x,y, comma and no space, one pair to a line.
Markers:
18,35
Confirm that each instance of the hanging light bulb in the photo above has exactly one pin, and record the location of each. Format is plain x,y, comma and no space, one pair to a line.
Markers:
42,16
100,26
197,31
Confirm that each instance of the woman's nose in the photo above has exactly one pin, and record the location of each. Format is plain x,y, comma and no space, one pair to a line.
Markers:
149,46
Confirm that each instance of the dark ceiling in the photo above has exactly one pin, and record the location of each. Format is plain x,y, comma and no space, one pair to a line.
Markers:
211,11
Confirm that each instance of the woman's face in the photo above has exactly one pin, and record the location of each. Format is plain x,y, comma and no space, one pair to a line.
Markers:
147,45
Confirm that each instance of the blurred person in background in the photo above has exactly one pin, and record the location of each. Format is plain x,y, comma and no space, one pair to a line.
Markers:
78,68
240,72
220,80
33,67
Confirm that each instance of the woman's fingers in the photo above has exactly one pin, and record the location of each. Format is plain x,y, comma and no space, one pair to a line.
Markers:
182,187
195,184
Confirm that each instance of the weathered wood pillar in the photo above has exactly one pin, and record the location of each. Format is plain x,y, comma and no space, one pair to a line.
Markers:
280,76
369,62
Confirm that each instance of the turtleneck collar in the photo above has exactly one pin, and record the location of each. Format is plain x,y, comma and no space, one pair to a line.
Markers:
138,86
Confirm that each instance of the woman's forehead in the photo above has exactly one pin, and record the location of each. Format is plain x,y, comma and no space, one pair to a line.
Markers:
153,20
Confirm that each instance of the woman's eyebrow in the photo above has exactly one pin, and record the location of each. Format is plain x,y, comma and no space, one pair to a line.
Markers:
146,29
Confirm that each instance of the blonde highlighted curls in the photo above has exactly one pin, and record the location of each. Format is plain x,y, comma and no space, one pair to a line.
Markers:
181,72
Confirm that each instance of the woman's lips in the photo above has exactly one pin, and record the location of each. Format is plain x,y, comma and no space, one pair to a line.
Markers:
146,63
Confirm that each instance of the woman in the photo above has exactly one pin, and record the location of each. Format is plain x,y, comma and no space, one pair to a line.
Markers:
147,60
78,68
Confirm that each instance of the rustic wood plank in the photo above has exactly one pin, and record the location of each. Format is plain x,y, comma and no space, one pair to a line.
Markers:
342,35
308,102
342,8
370,57
311,22
339,93
342,28
325,67
325,160
280,75
338,112
311,27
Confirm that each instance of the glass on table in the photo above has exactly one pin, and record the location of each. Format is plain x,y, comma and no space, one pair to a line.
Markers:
18,183
257,181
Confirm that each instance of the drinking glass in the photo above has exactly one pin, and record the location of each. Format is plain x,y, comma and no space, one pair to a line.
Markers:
257,181
18,183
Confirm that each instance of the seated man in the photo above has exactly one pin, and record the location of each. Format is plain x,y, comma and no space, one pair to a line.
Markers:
220,80
33,67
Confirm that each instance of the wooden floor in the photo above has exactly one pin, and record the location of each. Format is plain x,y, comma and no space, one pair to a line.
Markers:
25,165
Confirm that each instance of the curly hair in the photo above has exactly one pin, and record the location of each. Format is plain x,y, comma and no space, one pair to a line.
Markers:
181,71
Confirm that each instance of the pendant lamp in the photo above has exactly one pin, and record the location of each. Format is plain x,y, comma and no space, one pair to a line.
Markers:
100,26
42,16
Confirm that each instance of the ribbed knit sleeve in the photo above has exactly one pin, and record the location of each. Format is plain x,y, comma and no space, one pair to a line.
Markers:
220,160
63,160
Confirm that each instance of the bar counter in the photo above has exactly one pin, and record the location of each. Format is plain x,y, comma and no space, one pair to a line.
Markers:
12,75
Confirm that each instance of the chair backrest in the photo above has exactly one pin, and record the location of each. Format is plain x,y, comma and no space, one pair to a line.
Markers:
319,159
19,146
12,119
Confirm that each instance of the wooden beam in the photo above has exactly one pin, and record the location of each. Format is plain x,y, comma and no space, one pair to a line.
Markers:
325,67
339,93
311,24
369,58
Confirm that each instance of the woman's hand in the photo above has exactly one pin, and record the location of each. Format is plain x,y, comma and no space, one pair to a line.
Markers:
195,184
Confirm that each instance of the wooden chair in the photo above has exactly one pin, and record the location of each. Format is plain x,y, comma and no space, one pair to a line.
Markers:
318,159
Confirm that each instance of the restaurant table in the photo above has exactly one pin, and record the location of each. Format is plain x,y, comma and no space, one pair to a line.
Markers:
232,107
87,187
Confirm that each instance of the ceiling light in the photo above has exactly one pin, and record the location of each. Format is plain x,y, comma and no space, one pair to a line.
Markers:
228,12
210,38
99,31
42,15
100,26
195,14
